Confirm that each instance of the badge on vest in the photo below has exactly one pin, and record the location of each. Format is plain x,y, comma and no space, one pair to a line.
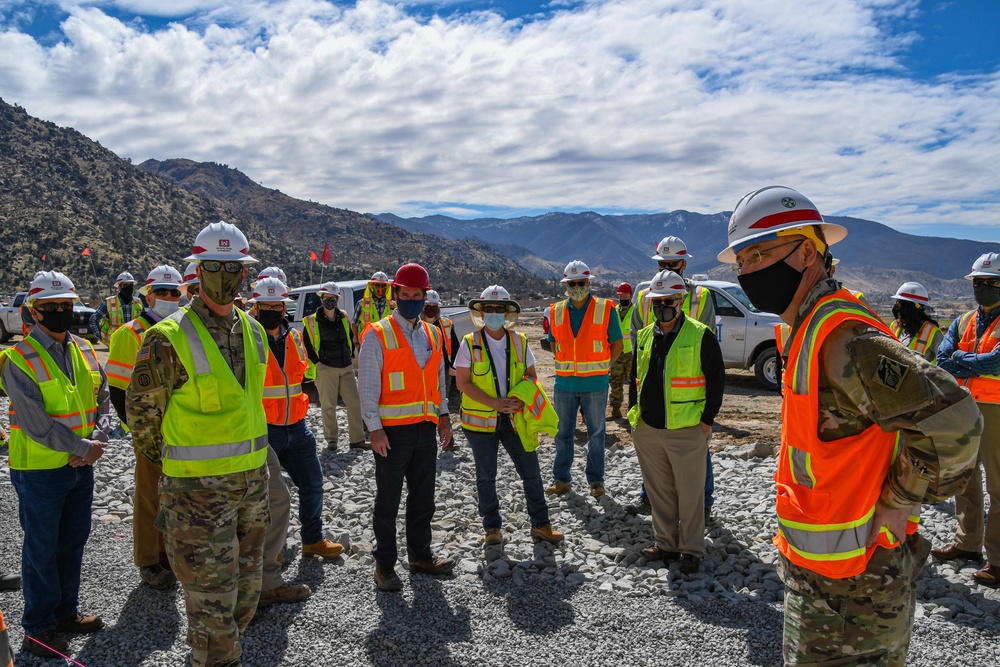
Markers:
891,372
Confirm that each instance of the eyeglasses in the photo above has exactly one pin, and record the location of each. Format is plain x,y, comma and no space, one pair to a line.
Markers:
668,301
194,290
55,307
494,309
577,283
271,306
990,282
164,292
757,256
213,266
670,264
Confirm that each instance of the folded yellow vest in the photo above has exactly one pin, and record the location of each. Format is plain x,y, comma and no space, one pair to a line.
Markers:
537,416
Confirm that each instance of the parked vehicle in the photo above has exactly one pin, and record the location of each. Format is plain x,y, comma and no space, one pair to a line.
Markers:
10,319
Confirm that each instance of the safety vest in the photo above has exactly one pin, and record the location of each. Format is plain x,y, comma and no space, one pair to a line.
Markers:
827,491
212,425
446,326
72,404
695,303
116,316
284,401
683,377
984,388
370,312
588,353
121,351
475,415
626,324
312,327
921,342
410,394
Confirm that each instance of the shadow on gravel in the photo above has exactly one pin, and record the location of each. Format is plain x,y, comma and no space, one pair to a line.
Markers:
449,461
417,632
335,464
148,623
535,605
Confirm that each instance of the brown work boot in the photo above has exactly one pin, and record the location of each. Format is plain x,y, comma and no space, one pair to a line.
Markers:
324,549
157,577
558,488
547,533
951,552
597,489
616,412
360,444
283,594
656,552
386,578
45,644
436,566
80,624
493,537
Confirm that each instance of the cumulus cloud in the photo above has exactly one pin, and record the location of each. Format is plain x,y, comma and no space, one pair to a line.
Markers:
619,105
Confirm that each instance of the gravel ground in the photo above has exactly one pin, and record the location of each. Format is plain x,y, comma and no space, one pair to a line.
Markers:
592,601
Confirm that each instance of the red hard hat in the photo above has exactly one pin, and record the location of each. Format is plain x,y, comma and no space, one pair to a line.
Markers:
624,288
412,275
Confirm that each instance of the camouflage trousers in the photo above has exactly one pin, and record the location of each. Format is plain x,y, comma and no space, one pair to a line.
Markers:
215,543
854,621
618,377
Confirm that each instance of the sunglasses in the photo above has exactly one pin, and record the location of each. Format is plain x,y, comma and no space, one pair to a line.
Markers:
55,307
990,282
578,283
271,306
671,265
213,266
494,309
164,292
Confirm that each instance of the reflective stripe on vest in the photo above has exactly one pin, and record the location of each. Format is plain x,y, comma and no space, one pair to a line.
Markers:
823,523
922,340
587,353
284,402
121,352
984,388
409,394
116,317
626,325
684,394
477,416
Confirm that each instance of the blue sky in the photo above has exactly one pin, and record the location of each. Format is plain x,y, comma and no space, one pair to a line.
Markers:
882,109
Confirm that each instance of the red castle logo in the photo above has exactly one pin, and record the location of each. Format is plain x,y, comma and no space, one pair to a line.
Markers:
223,243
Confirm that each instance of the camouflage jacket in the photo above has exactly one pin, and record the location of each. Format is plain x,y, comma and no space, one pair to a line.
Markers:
158,372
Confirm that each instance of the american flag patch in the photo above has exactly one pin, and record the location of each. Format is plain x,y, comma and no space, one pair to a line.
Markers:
142,355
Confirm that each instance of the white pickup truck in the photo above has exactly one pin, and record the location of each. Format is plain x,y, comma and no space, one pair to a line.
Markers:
10,318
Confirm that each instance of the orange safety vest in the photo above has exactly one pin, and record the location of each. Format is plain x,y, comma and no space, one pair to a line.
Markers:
284,401
923,338
827,491
6,655
588,353
984,388
410,394
446,326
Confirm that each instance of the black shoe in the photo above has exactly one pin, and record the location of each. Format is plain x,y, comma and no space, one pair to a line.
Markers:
10,582
640,506
360,444
688,564
386,578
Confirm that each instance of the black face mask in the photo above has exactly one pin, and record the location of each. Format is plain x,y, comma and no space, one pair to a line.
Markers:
664,313
986,295
126,293
270,319
773,288
58,322
330,304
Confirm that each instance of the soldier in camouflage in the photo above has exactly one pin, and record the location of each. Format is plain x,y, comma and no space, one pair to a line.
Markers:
850,387
215,523
622,367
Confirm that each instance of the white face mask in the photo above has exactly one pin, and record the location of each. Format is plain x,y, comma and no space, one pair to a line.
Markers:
165,308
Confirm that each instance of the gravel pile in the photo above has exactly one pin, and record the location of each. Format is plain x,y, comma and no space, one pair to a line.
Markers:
594,600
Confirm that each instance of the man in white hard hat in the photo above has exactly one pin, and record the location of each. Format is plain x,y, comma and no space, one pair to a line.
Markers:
163,294
971,352
373,306
869,432
331,349
912,322
117,309
58,430
681,377
586,339
195,405
191,285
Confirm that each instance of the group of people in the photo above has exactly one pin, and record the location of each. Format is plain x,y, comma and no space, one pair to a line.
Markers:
214,400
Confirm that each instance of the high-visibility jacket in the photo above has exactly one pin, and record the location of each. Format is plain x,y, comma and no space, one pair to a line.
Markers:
922,341
284,401
116,316
537,416
370,312
475,415
683,378
626,323
312,328
121,351
588,353
410,394
212,425
446,327
984,388
827,491
72,404
694,304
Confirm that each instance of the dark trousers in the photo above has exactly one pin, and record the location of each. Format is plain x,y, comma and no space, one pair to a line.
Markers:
412,457
295,446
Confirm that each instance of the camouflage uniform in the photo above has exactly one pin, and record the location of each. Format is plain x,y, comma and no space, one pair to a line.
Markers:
215,526
866,619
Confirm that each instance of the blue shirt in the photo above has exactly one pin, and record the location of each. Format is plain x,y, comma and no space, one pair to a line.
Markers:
591,382
969,364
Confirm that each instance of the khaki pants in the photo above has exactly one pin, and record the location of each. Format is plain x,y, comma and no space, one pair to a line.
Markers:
972,534
147,541
334,382
279,506
673,470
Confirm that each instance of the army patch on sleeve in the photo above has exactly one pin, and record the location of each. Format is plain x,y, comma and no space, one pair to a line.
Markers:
142,354
891,373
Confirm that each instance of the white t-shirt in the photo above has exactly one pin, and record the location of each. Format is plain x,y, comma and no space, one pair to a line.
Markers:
498,350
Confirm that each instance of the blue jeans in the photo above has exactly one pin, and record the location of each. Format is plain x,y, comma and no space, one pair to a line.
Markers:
567,405
54,511
709,483
485,448
296,449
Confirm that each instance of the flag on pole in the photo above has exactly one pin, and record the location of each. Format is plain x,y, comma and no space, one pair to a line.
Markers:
86,252
44,255
326,258
312,256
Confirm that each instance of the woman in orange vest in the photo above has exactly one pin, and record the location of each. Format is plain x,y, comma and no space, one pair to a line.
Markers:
869,432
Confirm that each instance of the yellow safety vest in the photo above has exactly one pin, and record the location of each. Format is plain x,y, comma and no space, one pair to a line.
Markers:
213,426
626,328
312,328
919,343
475,415
116,317
683,377
121,352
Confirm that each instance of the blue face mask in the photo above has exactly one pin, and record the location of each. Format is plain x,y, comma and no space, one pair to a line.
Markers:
494,321
410,309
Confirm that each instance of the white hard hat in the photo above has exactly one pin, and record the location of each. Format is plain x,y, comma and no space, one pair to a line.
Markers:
763,213
495,294
223,242
665,283
270,290
162,276
330,288
124,277
671,248
986,265
270,272
51,285
576,270
191,275
379,277
914,292
432,298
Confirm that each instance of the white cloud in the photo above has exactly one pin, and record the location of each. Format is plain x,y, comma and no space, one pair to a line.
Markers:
647,104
